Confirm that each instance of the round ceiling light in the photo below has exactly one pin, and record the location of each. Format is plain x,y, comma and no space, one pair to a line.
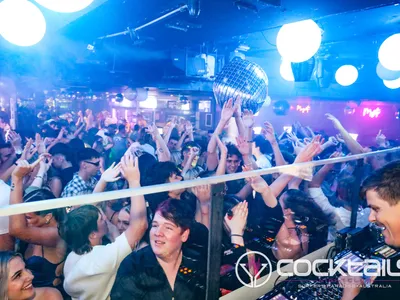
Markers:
346,75
21,22
389,53
392,84
286,70
65,6
299,41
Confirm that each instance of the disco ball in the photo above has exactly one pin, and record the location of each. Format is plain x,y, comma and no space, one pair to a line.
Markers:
244,79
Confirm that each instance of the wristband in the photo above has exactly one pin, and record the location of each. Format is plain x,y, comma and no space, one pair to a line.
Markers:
238,235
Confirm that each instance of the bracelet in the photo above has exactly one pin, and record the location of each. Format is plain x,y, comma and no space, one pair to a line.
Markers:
238,235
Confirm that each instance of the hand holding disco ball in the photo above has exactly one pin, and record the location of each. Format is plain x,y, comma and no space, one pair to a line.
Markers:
245,80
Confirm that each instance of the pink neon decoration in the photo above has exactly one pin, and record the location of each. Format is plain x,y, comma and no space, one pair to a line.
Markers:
372,113
303,109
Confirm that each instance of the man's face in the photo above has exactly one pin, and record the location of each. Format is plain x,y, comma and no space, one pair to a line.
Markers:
92,166
5,154
385,215
172,144
232,164
58,161
166,238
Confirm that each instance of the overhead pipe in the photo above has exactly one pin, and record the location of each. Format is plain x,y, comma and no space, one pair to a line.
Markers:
193,7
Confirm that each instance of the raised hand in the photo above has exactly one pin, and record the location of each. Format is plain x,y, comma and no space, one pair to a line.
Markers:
202,193
130,169
248,118
112,173
227,111
269,133
340,138
335,121
257,182
28,152
40,144
188,128
310,151
24,168
194,151
237,223
15,140
45,162
381,139
243,146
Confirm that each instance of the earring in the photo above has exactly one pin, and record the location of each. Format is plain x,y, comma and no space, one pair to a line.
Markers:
47,221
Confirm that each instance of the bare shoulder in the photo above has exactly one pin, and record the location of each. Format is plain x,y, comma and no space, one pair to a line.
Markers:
47,293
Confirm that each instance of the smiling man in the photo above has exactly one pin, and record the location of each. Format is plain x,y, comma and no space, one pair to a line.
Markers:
382,191
163,270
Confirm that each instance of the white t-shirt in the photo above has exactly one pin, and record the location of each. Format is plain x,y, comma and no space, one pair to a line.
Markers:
4,200
91,276
263,162
341,214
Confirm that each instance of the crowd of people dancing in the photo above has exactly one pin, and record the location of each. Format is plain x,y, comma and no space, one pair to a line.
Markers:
155,246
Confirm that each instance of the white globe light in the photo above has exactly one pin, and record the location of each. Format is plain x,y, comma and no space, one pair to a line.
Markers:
299,41
392,84
65,6
286,70
21,22
346,75
389,53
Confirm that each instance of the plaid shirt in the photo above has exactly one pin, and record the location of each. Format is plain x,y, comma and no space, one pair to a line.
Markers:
77,186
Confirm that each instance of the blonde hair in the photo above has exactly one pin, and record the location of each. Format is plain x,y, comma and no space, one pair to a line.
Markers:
5,258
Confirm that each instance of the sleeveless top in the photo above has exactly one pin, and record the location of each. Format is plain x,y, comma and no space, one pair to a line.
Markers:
44,272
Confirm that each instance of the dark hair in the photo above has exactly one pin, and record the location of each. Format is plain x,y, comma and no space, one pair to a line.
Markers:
230,201
263,144
87,154
76,145
144,137
121,127
385,182
5,145
43,194
160,172
78,226
146,163
233,150
187,146
345,187
306,211
136,127
62,149
176,211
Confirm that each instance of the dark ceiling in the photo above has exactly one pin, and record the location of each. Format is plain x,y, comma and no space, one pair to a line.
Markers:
353,30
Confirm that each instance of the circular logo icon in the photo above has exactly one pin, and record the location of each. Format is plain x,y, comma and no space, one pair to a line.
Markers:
263,263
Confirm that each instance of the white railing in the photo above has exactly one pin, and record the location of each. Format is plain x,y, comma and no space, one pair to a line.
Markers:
294,169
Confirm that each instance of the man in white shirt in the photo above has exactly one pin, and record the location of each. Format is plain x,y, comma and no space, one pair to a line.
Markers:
90,269
6,241
344,190
261,148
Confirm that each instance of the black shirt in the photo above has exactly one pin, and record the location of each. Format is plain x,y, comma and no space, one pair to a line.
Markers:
140,276
383,287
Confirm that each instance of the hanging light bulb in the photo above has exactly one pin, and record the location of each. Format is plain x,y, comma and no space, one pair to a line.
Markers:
65,6
299,41
21,22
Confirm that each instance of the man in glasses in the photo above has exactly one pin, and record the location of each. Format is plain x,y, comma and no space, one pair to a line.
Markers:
84,181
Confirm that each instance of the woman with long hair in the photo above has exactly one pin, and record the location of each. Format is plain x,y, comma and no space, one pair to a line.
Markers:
16,280
305,228
44,249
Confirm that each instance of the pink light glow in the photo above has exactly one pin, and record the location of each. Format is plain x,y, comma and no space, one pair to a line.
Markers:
372,113
303,109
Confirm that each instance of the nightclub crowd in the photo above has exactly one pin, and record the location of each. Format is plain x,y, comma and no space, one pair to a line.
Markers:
156,246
